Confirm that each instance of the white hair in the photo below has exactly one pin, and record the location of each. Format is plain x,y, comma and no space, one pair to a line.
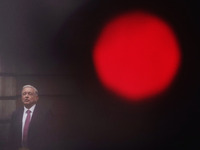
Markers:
30,86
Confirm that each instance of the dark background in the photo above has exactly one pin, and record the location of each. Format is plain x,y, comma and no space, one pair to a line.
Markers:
49,45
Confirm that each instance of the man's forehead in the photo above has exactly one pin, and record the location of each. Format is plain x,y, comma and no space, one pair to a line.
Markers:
27,89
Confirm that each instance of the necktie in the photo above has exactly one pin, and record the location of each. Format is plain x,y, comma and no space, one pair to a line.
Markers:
26,126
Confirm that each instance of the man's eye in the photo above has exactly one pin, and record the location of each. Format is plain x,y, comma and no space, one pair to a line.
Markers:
27,93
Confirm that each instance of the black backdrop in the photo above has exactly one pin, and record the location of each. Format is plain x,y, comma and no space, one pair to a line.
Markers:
56,39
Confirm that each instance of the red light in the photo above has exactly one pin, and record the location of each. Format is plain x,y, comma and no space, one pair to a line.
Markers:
136,55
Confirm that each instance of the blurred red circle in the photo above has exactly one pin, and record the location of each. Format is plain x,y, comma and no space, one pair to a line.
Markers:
136,55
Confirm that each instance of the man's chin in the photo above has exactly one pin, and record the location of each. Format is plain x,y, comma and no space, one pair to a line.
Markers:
27,105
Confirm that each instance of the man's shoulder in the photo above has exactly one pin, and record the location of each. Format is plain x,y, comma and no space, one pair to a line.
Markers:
17,113
18,110
42,110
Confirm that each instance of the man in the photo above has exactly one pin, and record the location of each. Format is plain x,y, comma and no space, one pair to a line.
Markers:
30,124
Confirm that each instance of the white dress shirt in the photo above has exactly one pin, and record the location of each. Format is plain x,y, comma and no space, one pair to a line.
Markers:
25,115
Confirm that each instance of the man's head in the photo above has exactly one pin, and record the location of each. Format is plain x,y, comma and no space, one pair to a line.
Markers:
29,96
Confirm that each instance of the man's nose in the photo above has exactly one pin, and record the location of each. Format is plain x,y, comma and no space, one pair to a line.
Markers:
26,95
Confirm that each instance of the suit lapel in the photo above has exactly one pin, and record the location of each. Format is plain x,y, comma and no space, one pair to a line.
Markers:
34,120
19,124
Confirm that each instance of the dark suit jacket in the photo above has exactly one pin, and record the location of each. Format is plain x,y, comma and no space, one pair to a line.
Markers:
40,131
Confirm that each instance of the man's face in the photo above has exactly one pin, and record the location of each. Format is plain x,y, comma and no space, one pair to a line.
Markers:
29,97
